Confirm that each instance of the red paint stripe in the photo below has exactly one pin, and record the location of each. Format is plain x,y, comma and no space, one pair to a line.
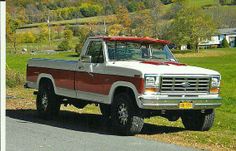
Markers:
163,63
98,83
63,78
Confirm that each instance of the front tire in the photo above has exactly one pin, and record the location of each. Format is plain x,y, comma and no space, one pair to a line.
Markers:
125,116
47,103
197,121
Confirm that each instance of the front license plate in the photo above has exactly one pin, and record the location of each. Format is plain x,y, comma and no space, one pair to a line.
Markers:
185,105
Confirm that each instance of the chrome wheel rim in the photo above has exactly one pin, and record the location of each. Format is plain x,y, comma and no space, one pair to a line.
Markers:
44,101
123,114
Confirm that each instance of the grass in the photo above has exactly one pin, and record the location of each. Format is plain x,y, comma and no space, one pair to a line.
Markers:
221,137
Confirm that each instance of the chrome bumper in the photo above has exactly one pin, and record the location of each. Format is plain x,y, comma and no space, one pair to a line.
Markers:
173,103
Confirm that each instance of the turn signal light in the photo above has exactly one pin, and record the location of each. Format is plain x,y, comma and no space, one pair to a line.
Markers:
151,90
214,90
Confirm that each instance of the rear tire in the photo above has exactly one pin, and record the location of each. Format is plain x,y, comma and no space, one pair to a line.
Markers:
125,116
197,121
47,102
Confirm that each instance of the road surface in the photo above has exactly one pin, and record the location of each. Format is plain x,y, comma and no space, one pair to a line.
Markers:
73,132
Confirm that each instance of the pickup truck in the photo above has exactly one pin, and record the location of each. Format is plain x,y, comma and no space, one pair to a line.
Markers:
129,78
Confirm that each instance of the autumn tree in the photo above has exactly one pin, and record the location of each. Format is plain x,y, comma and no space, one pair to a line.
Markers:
156,17
123,18
43,33
191,26
66,43
115,29
58,29
12,25
142,24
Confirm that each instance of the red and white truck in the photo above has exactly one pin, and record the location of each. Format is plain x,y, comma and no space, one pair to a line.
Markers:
130,78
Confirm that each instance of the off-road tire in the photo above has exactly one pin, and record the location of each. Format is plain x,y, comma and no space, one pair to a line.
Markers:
134,122
105,110
197,121
52,108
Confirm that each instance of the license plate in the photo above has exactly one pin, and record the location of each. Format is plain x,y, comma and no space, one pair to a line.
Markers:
185,105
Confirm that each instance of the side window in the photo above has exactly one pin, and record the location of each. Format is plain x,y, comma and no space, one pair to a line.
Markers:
95,50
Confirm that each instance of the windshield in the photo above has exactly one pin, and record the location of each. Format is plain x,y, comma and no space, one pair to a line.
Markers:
138,51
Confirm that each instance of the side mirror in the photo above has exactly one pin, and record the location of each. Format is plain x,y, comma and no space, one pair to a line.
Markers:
86,59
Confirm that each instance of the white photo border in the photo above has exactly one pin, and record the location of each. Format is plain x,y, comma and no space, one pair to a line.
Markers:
3,72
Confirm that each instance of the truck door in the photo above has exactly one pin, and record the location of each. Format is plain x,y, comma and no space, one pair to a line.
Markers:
89,77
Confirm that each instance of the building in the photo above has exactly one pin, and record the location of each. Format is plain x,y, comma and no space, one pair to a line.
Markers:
216,40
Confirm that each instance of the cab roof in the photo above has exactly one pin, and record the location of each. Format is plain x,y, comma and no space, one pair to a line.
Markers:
146,40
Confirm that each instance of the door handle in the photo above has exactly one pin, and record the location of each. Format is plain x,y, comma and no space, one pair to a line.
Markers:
81,67
90,74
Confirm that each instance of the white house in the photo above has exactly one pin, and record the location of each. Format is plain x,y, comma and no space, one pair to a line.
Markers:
216,40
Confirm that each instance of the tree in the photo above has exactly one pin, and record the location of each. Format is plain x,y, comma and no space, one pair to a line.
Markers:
88,10
122,15
225,43
155,15
66,43
12,25
83,33
191,26
58,29
29,37
114,30
142,24
43,33
68,34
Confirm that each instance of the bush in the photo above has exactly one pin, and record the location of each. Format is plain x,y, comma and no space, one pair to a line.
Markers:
225,43
68,34
65,45
13,78
29,37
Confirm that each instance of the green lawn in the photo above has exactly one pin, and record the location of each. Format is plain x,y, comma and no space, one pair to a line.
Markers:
18,62
223,134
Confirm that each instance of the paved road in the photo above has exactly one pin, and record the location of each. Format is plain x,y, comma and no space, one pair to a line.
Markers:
74,132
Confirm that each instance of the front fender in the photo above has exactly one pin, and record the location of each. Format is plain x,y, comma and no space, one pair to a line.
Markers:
123,84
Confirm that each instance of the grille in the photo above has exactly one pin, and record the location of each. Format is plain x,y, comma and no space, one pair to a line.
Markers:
185,84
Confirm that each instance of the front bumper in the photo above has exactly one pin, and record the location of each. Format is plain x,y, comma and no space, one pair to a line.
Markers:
158,103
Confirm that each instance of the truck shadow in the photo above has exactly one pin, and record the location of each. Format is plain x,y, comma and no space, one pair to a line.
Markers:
92,123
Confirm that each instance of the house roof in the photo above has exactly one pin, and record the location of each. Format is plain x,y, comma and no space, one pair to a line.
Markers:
147,40
227,31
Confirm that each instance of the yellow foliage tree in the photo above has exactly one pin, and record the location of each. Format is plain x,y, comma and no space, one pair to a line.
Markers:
115,29
123,18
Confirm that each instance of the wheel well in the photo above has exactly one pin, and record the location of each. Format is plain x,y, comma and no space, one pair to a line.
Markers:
128,90
45,80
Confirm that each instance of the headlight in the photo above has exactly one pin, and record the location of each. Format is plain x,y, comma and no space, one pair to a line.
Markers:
215,84
151,84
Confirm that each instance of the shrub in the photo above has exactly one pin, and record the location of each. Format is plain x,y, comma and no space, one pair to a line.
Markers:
13,78
65,45
29,37
68,34
225,43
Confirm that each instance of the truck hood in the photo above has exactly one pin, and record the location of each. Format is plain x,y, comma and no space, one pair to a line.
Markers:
151,67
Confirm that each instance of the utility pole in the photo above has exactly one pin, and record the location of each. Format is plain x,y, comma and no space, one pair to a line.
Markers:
49,32
104,19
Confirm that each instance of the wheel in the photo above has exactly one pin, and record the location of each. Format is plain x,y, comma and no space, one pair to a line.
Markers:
125,116
197,121
47,103
105,110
